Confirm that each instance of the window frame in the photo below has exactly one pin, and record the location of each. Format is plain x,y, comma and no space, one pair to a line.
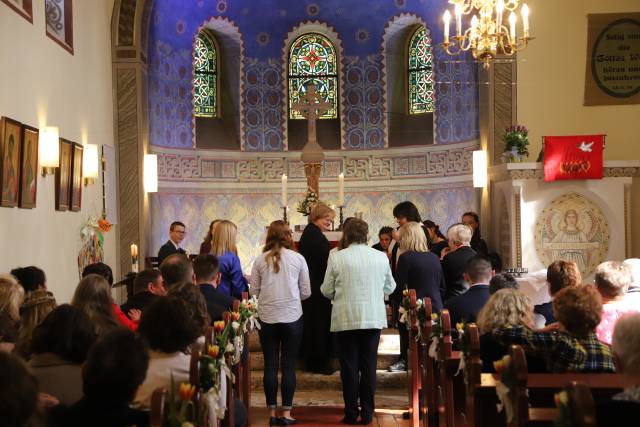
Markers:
417,70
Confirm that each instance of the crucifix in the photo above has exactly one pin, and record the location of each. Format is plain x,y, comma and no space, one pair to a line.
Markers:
311,106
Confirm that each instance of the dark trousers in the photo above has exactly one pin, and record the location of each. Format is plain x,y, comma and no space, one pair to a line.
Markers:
358,350
317,344
402,328
280,346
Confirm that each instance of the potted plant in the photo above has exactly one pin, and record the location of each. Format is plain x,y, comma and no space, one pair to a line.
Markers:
516,144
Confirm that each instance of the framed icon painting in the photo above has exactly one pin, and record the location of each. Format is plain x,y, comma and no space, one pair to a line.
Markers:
75,192
29,167
10,137
63,176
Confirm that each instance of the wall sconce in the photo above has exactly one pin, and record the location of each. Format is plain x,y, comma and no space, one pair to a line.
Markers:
150,173
49,149
90,162
480,169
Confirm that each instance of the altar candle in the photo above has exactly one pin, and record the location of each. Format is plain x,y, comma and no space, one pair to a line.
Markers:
447,19
341,189
134,258
284,190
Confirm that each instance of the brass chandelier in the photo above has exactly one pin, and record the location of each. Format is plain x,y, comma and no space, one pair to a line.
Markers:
487,35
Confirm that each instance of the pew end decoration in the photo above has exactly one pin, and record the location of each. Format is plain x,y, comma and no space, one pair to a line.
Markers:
92,241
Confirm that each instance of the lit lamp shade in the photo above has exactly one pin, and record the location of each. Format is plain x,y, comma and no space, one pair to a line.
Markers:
90,161
480,169
150,173
49,147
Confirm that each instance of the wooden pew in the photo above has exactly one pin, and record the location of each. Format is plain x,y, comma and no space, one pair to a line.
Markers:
413,362
429,388
157,415
447,365
582,406
229,418
246,372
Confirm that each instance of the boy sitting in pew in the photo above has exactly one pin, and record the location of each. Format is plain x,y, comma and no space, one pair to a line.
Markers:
571,345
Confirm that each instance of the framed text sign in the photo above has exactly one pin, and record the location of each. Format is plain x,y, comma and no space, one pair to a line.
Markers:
613,59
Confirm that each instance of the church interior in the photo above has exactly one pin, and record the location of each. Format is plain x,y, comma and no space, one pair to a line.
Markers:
129,126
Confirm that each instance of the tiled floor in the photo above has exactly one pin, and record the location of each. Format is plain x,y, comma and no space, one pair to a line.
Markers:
330,416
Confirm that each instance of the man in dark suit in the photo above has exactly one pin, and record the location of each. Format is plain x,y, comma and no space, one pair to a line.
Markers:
472,219
455,258
177,230
206,268
147,286
465,307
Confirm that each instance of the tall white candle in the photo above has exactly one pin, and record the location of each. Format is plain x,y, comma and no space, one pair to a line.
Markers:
134,258
341,189
458,20
512,27
447,19
284,190
499,10
525,20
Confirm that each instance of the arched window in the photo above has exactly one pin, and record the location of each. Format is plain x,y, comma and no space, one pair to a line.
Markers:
420,61
205,77
312,60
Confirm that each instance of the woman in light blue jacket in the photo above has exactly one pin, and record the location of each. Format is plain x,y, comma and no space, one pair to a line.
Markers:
357,280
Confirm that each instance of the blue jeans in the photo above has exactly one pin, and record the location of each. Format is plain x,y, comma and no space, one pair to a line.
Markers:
280,346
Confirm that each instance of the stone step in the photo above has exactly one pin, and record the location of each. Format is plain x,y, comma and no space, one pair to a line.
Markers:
310,381
384,360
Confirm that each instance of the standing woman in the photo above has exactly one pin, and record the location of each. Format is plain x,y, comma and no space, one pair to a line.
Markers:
417,269
280,280
223,246
357,280
436,240
205,246
314,247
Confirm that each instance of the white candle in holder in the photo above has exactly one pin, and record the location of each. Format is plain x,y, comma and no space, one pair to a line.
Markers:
341,189
134,258
284,190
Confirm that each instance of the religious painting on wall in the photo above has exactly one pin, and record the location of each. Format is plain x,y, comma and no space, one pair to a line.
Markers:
63,175
22,7
29,168
76,178
59,19
572,228
10,161
613,59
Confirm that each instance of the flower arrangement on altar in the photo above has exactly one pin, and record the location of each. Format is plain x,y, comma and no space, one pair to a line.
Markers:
92,240
225,351
310,200
516,143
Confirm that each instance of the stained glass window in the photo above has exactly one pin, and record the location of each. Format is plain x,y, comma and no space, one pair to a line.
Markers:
421,99
312,60
205,73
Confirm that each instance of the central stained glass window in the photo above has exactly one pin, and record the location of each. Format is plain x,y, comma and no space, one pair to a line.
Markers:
312,60
421,99
205,77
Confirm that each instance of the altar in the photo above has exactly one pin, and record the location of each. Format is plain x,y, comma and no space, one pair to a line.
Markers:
534,222
332,236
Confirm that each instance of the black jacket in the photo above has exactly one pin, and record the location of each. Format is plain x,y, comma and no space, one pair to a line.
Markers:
453,266
421,271
138,301
479,245
168,249
465,307
314,247
217,302
97,414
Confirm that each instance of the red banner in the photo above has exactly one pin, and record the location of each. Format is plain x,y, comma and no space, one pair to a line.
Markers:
573,157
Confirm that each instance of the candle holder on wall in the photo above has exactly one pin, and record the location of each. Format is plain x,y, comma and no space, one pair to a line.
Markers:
341,209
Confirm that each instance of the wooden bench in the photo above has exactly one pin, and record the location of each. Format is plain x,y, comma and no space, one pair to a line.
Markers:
428,368
447,363
414,369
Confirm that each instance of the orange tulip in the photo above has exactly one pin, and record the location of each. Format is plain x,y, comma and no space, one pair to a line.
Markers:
235,316
218,325
213,351
186,392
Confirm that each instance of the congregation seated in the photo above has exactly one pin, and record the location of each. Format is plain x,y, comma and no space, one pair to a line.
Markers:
612,279
176,269
8,333
626,348
93,297
206,269
455,256
465,307
506,307
18,393
11,297
560,274
115,368
169,330
573,345
102,269
60,346
38,302
195,303
634,286
147,286
502,281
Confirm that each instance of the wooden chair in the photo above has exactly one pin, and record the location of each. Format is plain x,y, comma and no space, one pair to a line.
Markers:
428,365
151,262
582,406
413,362
157,415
